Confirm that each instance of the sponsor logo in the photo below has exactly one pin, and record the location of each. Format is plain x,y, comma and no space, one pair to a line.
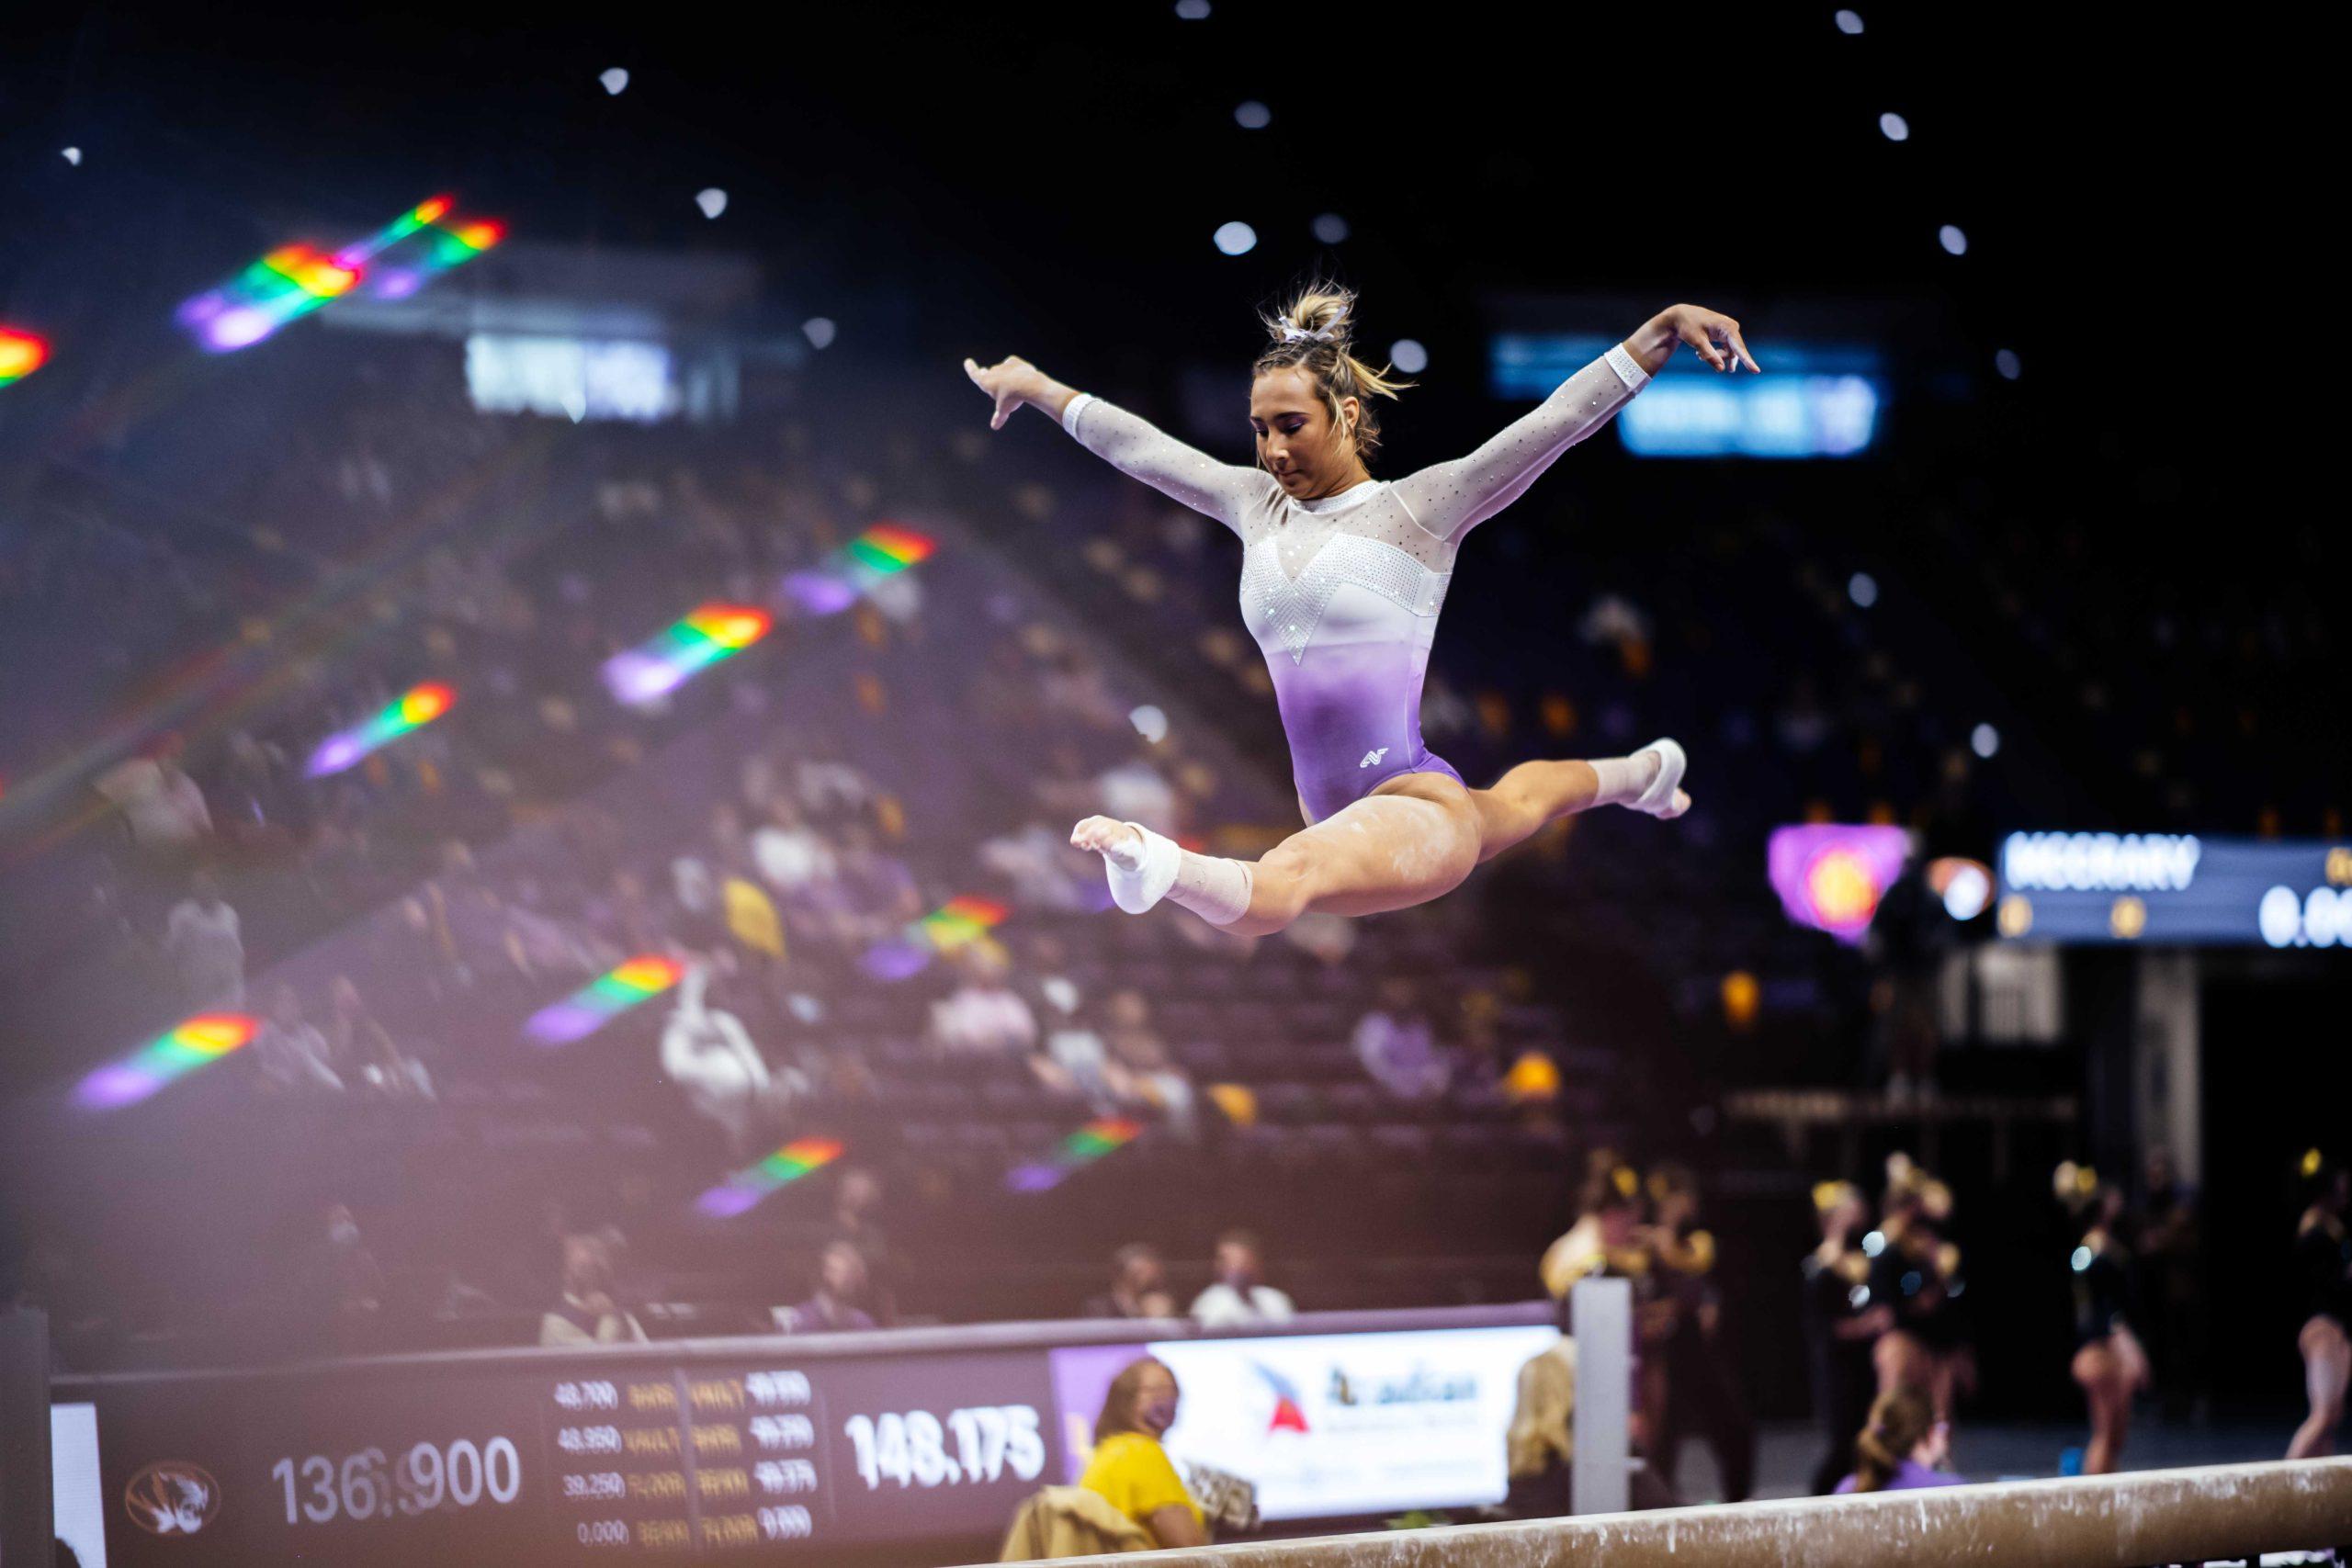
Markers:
1372,757
1288,1415
172,1498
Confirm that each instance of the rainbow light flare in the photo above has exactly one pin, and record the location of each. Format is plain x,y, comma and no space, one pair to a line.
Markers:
197,1043
21,353
603,1000
962,919
1084,1146
294,280
739,1192
413,709
849,572
658,667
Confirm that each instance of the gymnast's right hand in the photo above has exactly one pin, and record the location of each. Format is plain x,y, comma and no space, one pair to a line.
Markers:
1009,381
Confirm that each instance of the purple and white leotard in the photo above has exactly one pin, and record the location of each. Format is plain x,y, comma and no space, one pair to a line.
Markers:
1342,592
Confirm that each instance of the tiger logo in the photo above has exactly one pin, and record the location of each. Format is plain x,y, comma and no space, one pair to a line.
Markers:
172,1498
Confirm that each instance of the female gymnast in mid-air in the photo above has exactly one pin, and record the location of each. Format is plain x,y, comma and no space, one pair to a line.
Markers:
1342,576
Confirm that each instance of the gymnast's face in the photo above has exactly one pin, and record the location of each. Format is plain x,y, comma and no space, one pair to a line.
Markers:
1296,441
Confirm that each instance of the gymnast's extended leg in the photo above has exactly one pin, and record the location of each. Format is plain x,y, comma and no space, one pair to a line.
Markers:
1533,794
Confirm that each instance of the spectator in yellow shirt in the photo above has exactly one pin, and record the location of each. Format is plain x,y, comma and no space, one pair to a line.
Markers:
1130,1469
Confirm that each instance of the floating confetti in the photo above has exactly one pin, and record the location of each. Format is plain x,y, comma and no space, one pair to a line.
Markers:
198,1043
413,709
1084,1146
74,156
614,80
882,551
746,1187
954,924
658,667
603,1000
712,201
21,353
294,280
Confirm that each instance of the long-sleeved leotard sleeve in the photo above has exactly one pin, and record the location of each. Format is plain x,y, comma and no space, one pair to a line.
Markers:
1135,446
1450,499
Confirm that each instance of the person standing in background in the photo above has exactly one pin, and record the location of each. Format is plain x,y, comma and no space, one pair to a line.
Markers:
1701,1387
1842,1322
206,944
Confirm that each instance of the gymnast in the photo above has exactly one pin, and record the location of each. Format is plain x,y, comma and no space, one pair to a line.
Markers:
1341,578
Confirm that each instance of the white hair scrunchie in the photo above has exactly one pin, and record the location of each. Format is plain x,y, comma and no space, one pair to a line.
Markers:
1292,333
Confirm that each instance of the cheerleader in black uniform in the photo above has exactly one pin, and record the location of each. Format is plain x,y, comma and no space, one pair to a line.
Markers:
1916,1271
2324,1258
1702,1388
2108,1363
1842,1321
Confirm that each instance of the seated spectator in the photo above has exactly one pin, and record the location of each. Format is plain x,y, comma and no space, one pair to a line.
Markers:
1238,1297
361,1051
838,1304
1130,1469
204,941
345,1284
984,1016
586,1313
290,1052
856,1202
1397,1046
706,1052
1904,1447
792,856
1138,1286
163,805
1140,1065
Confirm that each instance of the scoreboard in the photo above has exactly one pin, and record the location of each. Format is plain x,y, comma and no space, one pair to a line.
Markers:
2175,889
804,1449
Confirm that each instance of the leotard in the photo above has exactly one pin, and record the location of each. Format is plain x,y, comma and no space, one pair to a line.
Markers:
1342,592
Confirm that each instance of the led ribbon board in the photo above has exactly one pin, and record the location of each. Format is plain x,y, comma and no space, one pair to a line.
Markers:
739,1192
413,709
198,1043
1084,1146
954,924
294,280
656,668
603,1000
21,353
882,551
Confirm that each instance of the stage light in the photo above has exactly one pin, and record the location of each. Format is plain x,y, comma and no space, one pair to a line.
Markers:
1192,10
1984,740
1862,589
614,80
413,709
818,330
1330,227
198,1043
712,201
1894,127
74,156
1253,116
1849,23
1952,239
739,1192
1409,356
1831,876
658,666
1965,886
21,353
1151,723
2006,362
603,1000
1084,1146
1236,239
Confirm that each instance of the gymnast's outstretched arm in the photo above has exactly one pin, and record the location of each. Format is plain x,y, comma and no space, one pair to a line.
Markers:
1451,497
1132,445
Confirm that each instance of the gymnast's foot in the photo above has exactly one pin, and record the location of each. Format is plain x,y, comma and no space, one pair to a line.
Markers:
1662,764
1140,863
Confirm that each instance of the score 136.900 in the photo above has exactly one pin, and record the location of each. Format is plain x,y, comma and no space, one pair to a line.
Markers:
911,1449
365,1486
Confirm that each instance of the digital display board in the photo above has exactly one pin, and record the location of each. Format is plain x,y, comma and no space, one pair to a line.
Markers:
802,1448
2175,889
1812,400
